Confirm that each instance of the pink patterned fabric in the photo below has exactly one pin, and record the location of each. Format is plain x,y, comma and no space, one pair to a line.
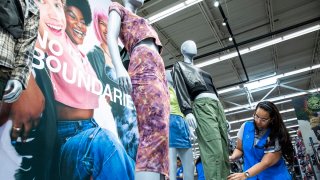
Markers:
151,98
133,28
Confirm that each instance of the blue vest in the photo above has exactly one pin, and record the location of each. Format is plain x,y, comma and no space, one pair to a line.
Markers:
200,171
253,154
179,170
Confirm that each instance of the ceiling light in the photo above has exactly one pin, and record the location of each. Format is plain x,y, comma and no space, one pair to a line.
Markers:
261,83
272,99
167,11
292,119
302,32
234,130
228,89
287,110
224,23
230,39
241,120
265,44
293,126
228,56
269,80
216,3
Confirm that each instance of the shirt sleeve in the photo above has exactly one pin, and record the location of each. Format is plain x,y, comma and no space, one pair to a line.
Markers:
24,48
240,132
274,148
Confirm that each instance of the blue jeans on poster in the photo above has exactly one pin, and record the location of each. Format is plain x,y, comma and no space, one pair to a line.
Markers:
90,151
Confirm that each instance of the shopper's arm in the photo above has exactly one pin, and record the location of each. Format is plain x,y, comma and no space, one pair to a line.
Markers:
237,152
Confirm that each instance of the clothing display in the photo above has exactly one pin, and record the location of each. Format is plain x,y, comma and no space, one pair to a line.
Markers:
178,133
212,137
174,104
149,91
134,29
151,99
189,82
211,131
178,129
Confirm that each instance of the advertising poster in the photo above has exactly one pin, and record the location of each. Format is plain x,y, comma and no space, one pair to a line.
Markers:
73,79
307,108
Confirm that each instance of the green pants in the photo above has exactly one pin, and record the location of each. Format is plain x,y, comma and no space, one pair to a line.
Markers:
212,138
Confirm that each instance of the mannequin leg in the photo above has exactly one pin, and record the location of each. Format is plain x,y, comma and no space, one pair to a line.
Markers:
186,157
142,175
172,163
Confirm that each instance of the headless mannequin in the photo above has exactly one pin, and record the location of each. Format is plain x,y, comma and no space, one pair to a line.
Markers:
13,91
122,74
185,154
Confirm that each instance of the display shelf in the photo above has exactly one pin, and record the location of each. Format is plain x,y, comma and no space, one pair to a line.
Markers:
307,134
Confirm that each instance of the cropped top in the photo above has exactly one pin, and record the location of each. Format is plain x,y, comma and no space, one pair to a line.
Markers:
134,28
74,81
190,81
174,105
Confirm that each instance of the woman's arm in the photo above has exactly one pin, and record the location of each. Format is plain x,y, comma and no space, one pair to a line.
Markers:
114,24
269,159
237,153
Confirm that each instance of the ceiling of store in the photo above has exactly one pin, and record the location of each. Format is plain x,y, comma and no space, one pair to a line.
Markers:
251,22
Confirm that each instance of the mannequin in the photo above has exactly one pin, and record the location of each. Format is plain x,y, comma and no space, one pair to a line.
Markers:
13,91
194,84
179,137
146,81
16,55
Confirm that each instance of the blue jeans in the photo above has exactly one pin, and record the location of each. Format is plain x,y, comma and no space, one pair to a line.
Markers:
88,150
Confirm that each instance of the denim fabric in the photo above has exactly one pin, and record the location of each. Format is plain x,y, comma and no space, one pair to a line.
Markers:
88,150
178,132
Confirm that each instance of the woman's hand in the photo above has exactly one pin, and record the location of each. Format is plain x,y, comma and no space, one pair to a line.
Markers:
237,176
